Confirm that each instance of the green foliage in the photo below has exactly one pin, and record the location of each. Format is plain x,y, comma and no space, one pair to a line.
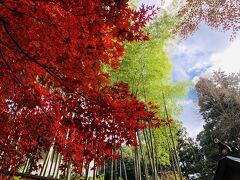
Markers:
129,164
76,176
191,156
162,141
17,178
147,69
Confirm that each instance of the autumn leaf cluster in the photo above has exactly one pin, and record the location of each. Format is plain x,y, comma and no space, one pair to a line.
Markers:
53,91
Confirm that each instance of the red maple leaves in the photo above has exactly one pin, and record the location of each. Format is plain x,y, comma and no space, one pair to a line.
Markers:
52,88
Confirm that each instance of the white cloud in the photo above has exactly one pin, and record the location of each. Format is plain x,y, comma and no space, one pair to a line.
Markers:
191,57
186,102
200,54
199,66
228,60
195,79
183,48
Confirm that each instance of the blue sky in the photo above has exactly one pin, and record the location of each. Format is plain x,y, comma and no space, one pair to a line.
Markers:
206,50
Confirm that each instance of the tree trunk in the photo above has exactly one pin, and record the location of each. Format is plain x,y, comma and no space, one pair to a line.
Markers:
124,167
94,171
52,159
153,154
86,171
148,148
55,170
171,135
170,152
143,157
120,169
115,168
111,169
104,169
135,163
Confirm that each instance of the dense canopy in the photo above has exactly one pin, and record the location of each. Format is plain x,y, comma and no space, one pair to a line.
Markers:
52,89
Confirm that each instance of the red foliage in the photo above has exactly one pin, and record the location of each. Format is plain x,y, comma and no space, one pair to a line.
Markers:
168,122
52,88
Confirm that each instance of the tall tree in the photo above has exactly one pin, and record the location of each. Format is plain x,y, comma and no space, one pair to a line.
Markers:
219,101
53,92
191,156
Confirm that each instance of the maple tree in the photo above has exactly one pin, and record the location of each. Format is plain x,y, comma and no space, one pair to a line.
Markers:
52,89
218,14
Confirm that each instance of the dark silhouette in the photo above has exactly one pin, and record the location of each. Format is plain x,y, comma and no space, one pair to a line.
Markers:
229,162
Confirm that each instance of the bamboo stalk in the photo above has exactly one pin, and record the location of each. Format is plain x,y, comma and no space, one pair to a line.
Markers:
86,171
104,169
52,159
135,163
170,152
142,155
111,169
158,164
173,143
139,165
48,158
148,148
94,170
120,169
153,155
124,167
26,166
60,161
56,165
115,167
68,170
